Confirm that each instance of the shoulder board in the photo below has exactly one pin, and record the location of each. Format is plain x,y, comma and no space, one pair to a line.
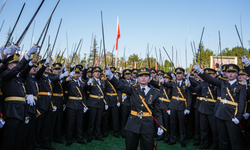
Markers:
103,78
223,78
241,83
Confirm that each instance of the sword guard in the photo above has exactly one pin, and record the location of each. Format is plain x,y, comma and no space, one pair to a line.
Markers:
37,45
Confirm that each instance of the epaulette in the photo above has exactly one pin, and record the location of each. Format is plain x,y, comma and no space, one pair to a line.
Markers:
241,83
223,78
103,78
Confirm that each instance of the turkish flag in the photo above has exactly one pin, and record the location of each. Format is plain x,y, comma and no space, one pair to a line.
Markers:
118,33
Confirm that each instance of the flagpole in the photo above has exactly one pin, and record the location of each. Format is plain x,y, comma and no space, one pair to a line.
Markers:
116,43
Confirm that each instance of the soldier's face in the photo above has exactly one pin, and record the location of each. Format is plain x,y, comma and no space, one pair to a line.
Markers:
127,76
134,75
57,71
33,71
10,66
242,77
166,80
232,75
224,74
195,75
143,79
159,76
96,74
89,74
212,75
76,75
47,70
153,75
179,76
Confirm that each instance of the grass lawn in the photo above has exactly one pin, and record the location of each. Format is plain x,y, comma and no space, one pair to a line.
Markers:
112,143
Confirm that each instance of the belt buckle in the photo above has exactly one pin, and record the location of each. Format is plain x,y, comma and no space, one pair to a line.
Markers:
49,94
99,97
206,99
59,94
177,98
224,101
162,99
140,114
111,94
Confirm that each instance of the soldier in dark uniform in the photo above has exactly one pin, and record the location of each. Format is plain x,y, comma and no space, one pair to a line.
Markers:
125,100
134,75
32,89
206,108
75,106
153,73
113,109
145,105
96,103
58,101
179,106
231,106
45,105
165,96
14,100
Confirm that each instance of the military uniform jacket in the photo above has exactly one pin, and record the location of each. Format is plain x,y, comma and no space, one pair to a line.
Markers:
144,125
31,87
111,94
179,104
76,91
126,101
238,92
13,86
195,102
165,93
57,86
45,85
247,109
93,89
206,107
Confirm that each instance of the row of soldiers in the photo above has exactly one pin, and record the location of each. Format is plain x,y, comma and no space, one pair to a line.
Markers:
33,102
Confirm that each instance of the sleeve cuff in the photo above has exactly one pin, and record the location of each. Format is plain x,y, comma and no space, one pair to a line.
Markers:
26,57
30,63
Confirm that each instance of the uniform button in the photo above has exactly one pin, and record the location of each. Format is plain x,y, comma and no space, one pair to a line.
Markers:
142,105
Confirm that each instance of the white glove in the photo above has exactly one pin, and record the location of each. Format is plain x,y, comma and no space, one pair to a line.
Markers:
65,74
72,73
90,81
187,76
1,123
220,70
30,100
55,108
47,61
235,120
85,110
27,119
162,80
87,65
64,107
245,60
197,68
246,115
118,104
169,112
106,107
10,50
2,49
121,71
186,111
108,71
160,131
32,50
124,96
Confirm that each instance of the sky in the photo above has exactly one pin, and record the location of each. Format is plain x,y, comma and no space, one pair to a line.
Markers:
157,23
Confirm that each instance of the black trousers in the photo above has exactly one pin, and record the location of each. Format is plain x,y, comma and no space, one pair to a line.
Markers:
197,135
74,119
215,133
95,120
229,132
206,124
12,134
132,141
114,112
29,133
42,129
57,126
125,112
175,116
191,123
166,124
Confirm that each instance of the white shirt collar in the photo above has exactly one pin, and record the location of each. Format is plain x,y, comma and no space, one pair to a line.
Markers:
146,89
232,82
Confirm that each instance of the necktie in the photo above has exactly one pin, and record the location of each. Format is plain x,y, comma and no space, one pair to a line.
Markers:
143,91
